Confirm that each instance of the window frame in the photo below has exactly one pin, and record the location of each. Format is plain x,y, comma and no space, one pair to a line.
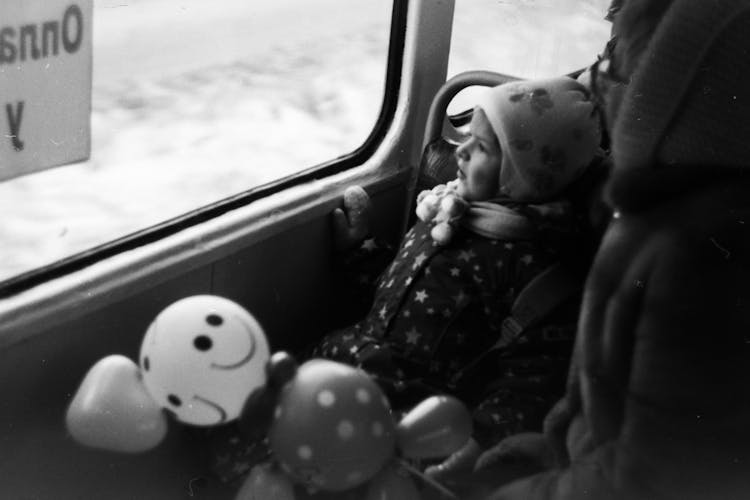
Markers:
199,255
394,63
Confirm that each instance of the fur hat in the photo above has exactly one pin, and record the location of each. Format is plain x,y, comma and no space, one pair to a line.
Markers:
687,104
548,132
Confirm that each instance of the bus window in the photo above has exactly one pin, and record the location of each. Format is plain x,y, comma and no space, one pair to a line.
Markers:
196,101
525,38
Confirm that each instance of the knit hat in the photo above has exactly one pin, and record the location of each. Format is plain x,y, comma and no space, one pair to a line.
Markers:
548,132
686,109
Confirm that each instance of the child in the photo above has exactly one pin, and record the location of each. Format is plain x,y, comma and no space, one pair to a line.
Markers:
441,303
480,239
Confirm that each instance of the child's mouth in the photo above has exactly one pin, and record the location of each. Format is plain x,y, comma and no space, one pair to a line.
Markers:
460,174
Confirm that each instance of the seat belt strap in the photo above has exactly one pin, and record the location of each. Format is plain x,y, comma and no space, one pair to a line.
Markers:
539,298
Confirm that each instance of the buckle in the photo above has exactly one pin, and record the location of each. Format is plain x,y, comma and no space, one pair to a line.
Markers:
510,330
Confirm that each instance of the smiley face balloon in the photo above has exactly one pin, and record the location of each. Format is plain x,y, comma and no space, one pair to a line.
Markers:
201,357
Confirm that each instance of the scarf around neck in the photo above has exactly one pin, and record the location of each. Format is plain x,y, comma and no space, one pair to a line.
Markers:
497,222
499,219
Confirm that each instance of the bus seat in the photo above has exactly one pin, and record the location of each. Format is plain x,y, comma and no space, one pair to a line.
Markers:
438,165
443,134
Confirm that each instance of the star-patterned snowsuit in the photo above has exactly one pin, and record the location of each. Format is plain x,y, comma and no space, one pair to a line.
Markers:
437,309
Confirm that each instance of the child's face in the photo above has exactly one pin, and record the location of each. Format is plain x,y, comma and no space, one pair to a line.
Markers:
479,160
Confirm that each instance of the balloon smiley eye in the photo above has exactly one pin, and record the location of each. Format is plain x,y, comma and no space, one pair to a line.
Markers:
214,320
174,400
203,342
146,364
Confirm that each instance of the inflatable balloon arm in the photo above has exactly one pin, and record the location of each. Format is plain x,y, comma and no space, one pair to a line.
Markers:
200,359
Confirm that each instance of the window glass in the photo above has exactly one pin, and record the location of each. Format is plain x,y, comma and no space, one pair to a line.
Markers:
525,38
194,101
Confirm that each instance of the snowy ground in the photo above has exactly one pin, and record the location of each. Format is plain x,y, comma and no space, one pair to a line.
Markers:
194,101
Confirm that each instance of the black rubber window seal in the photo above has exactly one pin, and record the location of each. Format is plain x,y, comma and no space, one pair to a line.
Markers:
30,279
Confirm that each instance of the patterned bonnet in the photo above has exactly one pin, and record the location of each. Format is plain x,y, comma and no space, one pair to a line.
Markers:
548,131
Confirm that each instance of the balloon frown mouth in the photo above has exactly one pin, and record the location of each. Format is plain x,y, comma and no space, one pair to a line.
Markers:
222,413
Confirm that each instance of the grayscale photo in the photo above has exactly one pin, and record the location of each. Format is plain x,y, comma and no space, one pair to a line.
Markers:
375,249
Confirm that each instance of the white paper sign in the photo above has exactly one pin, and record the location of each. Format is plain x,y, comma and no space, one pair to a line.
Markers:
45,84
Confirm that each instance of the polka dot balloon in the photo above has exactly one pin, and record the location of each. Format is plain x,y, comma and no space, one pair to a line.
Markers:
325,418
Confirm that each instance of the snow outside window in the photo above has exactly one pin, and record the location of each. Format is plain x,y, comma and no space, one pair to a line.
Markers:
525,38
194,101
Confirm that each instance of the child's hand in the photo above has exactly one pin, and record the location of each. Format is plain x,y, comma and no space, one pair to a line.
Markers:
471,477
528,447
461,461
351,224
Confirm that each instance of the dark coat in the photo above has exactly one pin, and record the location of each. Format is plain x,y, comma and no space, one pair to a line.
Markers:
658,398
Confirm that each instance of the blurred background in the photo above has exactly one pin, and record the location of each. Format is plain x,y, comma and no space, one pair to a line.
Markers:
194,101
